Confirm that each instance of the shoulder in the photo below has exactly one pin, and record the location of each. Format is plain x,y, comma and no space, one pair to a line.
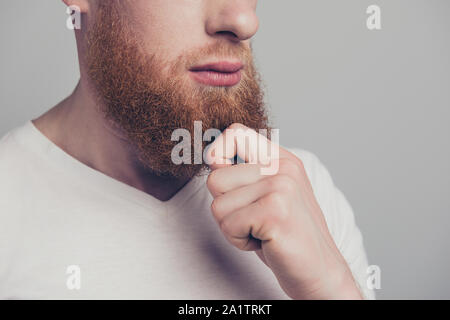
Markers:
13,151
9,148
17,162
13,184
14,139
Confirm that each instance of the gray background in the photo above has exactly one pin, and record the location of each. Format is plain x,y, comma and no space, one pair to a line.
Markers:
373,105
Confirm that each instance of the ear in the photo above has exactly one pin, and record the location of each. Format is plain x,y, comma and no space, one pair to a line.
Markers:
82,4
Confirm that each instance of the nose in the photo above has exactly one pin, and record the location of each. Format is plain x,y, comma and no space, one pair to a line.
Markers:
234,19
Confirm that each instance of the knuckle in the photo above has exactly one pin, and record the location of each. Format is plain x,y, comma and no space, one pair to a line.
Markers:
279,208
216,208
211,181
290,185
272,223
289,166
274,183
273,233
225,227
236,126
273,200
281,183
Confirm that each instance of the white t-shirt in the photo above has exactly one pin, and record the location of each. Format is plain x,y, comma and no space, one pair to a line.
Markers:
68,231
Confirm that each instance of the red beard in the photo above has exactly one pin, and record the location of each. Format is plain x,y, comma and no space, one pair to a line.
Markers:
147,104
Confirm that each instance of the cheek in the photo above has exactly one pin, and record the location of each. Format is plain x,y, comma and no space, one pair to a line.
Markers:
168,28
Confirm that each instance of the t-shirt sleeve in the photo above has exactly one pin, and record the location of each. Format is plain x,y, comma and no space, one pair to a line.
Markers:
339,217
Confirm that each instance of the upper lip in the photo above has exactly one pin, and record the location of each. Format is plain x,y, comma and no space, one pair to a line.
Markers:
222,66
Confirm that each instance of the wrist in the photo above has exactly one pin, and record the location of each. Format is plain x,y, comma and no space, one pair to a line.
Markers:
344,287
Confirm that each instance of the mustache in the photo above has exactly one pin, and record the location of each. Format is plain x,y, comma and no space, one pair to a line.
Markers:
218,51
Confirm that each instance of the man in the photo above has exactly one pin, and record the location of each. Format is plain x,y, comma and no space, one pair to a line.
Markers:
93,204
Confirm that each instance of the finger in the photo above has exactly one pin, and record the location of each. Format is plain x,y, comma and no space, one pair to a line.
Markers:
244,227
239,232
247,144
235,199
216,163
229,178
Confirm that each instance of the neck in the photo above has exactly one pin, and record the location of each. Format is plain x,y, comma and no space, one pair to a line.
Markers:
76,126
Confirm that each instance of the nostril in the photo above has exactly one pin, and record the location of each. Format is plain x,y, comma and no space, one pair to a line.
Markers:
227,33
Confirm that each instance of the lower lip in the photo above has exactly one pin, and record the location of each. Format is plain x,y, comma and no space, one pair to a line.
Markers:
217,79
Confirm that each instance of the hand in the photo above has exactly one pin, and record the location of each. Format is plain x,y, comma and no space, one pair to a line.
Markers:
278,217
